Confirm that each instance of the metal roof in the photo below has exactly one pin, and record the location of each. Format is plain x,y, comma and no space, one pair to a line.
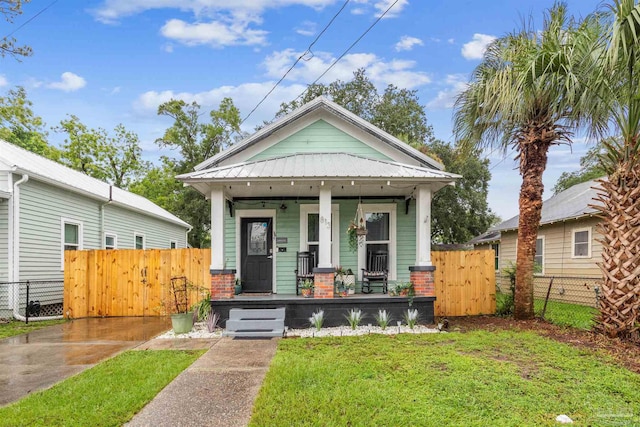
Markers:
40,168
485,238
571,203
332,108
318,166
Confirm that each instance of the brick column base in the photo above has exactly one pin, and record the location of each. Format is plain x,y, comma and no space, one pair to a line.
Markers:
421,276
323,285
223,284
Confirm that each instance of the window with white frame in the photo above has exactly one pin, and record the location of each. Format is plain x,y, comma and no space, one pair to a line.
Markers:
496,253
538,260
310,230
581,239
71,237
173,244
110,241
381,234
139,240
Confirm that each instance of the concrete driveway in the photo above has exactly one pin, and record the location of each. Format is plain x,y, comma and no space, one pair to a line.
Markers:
39,359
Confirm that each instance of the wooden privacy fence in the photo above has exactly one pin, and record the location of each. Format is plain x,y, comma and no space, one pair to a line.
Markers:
465,283
128,282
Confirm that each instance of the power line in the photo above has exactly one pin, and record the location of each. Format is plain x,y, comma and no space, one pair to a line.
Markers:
348,49
307,51
30,19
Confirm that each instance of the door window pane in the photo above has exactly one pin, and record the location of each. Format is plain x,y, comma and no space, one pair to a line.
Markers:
377,226
257,238
313,227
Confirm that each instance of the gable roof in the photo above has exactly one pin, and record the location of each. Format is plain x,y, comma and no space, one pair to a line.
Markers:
23,161
490,236
331,107
572,203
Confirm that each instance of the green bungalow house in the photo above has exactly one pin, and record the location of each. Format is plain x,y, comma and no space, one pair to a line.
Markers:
296,186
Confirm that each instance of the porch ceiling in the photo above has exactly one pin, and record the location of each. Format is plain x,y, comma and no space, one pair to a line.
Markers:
301,175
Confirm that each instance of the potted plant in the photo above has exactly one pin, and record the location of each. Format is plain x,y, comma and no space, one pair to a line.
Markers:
238,287
355,231
307,288
349,281
181,317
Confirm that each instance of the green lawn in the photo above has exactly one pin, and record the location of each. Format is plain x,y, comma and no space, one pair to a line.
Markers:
480,378
15,327
109,394
563,314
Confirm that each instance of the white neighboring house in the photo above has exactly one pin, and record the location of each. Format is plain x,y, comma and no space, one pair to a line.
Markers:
46,207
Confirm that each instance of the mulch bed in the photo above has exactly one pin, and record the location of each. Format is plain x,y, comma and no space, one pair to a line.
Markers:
624,352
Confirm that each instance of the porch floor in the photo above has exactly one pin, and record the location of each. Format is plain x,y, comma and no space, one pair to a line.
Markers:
298,309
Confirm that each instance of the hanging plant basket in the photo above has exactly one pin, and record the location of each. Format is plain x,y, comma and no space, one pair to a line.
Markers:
361,231
357,229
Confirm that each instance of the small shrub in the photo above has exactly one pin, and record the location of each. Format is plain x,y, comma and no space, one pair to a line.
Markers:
354,317
383,318
411,317
202,308
211,320
317,319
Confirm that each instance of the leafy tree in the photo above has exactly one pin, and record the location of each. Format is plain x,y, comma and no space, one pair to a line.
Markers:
115,158
196,142
396,111
527,94
461,212
19,125
10,9
590,168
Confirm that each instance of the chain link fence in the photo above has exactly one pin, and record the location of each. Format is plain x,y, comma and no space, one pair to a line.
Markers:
567,300
31,300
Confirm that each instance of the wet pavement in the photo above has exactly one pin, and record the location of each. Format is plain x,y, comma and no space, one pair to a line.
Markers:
39,359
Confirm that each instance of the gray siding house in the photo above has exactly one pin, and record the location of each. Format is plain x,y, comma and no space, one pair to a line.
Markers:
46,208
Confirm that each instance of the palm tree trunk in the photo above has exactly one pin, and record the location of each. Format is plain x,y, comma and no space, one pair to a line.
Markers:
620,228
533,161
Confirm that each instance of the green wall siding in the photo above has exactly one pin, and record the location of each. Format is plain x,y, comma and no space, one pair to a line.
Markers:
320,137
288,225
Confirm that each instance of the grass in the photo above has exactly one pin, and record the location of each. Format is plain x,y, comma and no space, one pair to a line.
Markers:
564,314
109,394
15,327
480,378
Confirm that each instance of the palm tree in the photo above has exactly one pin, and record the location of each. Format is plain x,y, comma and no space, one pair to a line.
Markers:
528,94
619,196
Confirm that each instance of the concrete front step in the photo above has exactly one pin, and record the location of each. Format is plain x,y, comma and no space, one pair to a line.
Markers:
255,322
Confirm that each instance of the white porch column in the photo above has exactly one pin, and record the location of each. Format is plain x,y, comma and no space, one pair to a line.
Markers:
423,225
324,241
217,228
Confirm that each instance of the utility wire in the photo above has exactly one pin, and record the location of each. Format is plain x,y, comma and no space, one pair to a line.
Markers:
30,19
307,51
348,49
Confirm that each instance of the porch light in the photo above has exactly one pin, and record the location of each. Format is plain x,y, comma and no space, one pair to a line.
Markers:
291,182
388,182
353,183
248,184
321,182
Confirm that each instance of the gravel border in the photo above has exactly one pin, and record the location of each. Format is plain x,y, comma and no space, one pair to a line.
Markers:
200,331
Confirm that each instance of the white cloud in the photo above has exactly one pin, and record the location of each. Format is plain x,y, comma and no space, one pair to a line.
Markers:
3,80
382,5
451,41
69,82
455,83
214,33
307,28
168,48
112,10
407,43
358,11
398,72
245,97
476,47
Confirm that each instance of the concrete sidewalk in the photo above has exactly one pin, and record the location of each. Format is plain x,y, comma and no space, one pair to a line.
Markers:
217,390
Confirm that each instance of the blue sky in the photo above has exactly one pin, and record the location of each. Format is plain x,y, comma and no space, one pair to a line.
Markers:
115,61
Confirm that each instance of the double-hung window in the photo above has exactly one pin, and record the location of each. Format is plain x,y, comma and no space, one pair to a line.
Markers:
496,253
381,235
71,239
538,260
581,243
310,223
110,241
138,239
